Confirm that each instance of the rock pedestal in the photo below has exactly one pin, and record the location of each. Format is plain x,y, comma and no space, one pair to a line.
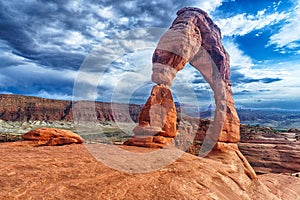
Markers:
157,120
193,38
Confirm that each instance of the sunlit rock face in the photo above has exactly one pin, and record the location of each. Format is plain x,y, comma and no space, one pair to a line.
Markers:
192,38
52,137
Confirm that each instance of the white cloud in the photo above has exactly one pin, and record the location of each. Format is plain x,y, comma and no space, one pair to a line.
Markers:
188,93
237,57
76,39
123,21
76,6
104,12
8,58
290,32
47,95
100,26
285,89
208,5
98,34
243,24
288,87
5,92
243,64
51,37
276,5
116,76
261,12
130,5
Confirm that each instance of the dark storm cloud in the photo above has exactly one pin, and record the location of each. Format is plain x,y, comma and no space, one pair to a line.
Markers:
248,92
43,43
204,93
264,90
241,93
23,25
35,30
38,52
154,12
198,80
35,79
7,56
270,80
239,78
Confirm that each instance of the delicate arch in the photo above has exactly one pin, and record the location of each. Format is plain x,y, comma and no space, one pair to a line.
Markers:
193,38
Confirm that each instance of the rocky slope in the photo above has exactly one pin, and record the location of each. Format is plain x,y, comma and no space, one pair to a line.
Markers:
267,150
270,151
71,172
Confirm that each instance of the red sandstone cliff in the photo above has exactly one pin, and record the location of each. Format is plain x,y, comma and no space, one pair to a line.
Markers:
25,108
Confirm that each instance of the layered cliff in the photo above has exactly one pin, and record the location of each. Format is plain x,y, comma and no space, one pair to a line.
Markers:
267,150
26,108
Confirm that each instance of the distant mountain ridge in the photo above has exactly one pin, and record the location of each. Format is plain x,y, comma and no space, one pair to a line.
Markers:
28,108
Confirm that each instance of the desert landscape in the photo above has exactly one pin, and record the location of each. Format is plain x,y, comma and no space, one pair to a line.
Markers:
72,172
87,113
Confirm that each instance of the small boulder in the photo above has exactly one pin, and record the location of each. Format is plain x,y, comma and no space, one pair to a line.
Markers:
52,136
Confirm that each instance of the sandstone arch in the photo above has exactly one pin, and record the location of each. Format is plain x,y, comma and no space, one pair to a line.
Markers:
193,38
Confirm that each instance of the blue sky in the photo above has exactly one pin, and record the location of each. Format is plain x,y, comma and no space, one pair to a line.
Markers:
105,47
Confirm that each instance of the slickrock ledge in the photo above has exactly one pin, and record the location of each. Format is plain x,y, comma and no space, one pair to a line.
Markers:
71,172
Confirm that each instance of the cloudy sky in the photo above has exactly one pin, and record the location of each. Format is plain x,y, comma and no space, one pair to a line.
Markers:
101,49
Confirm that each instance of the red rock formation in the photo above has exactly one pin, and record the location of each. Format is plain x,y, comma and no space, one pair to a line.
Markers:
21,108
193,38
52,136
159,113
157,121
266,150
269,151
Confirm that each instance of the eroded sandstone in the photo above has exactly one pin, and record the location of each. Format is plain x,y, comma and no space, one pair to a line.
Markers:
193,38
71,172
52,137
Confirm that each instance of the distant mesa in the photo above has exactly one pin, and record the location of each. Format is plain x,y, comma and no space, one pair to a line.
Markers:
17,108
52,137
27,108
